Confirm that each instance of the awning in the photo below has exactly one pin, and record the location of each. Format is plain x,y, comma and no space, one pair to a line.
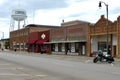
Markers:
31,41
65,41
41,41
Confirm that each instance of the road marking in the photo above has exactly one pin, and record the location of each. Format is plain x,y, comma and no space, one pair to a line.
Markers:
4,64
22,75
14,75
41,75
11,68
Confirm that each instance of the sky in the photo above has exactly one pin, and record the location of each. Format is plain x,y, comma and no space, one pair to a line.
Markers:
52,12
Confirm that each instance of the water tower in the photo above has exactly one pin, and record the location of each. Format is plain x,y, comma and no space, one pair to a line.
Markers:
18,15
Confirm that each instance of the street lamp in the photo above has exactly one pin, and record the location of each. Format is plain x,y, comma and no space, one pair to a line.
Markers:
100,5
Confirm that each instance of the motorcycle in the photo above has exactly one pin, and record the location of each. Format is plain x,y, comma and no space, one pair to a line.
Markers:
103,58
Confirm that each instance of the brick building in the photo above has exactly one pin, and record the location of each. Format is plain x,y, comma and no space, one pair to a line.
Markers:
70,38
97,36
76,37
20,37
36,42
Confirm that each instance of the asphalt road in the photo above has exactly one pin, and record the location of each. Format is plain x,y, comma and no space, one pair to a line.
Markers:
28,67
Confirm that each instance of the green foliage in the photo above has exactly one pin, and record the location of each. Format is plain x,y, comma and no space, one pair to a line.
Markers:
6,44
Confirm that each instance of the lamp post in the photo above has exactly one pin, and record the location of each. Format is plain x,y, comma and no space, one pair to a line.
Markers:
100,5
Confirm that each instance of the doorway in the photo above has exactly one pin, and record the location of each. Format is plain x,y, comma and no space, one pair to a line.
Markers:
114,50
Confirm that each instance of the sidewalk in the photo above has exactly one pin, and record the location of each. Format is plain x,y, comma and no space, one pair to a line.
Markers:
71,57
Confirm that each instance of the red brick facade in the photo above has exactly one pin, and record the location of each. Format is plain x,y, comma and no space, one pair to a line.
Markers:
75,34
58,34
36,41
118,36
70,36
19,38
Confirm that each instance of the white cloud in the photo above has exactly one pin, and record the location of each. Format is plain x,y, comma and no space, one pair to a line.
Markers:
2,1
76,10
51,14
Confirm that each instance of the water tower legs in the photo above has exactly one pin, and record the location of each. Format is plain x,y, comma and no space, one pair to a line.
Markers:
18,24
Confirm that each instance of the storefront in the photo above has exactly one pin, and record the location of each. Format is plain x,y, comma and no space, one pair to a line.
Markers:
76,48
70,38
33,37
98,37
37,40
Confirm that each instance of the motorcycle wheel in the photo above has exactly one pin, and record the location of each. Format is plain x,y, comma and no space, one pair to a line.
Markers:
95,60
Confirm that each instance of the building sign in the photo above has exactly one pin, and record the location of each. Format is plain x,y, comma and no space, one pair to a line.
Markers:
43,36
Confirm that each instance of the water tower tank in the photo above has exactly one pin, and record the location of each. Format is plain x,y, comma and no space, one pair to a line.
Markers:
19,14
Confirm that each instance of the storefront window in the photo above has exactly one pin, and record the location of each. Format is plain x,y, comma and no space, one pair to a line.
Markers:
59,47
56,47
76,47
14,46
26,46
72,47
102,46
53,47
69,47
22,46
